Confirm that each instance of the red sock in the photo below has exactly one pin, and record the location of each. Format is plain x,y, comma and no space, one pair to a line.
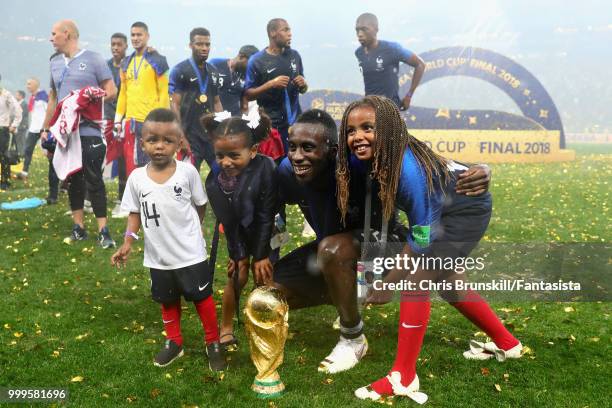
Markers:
208,317
478,311
382,386
171,316
414,313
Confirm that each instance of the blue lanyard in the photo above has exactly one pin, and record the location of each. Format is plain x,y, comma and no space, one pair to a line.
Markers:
203,86
291,114
136,71
65,71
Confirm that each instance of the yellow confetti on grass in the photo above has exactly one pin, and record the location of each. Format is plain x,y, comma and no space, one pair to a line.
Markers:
77,379
569,309
498,387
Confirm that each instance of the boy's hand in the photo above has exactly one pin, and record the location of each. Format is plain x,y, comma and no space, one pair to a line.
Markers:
406,102
279,82
119,258
243,267
299,81
474,181
263,270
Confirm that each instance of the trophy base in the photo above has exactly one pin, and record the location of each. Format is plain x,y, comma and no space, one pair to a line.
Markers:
268,389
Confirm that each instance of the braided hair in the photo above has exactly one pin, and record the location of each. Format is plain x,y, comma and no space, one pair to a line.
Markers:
392,139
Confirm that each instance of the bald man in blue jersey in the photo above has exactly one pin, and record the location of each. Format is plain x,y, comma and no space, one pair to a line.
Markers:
379,62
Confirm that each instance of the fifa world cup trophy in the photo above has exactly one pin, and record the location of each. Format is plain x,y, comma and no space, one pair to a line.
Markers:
266,322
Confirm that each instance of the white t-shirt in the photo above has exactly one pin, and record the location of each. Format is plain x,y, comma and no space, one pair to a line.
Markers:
37,116
170,222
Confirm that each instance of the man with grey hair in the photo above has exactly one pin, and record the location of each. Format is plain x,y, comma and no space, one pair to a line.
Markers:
37,107
10,117
73,68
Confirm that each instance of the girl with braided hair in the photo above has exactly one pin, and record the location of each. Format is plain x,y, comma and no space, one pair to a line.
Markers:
374,142
241,188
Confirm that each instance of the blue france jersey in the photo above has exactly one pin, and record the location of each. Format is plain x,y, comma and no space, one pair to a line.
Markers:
111,107
184,80
282,105
86,68
317,205
380,67
230,85
422,208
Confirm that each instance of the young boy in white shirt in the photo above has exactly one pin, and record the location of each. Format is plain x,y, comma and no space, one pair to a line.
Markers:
166,197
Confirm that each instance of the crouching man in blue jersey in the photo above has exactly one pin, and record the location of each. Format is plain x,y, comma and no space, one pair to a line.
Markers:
307,178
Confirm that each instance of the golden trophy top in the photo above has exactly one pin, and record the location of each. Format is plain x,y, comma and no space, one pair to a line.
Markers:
266,307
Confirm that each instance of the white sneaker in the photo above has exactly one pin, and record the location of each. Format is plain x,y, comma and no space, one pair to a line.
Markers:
307,231
395,379
118,212
346,355
485,351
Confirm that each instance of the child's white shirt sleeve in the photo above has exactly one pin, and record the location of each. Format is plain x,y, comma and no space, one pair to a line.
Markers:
130,201
198,195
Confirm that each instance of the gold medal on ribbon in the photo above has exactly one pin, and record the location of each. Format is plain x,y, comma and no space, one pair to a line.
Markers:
203,98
